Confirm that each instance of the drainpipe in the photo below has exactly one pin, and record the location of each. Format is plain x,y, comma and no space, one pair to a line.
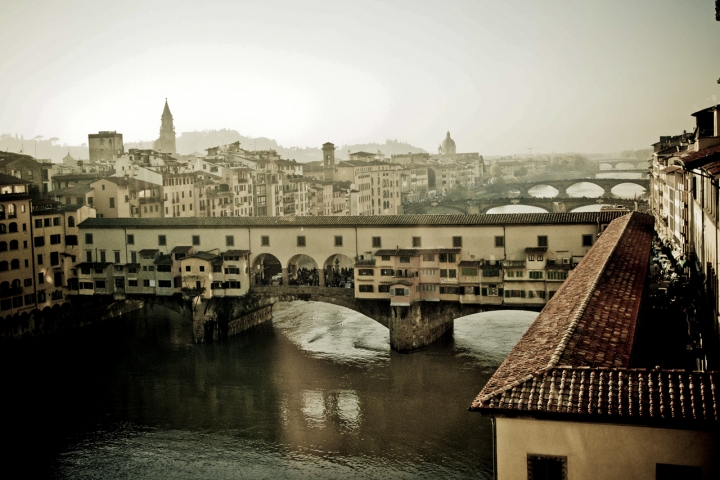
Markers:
356,243
32,253
494,447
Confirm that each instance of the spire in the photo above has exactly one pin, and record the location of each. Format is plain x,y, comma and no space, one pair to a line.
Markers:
166,110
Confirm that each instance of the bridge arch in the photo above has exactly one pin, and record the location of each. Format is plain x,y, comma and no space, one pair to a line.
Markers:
573,190
264,267
303,270
338,271
623,189
537,188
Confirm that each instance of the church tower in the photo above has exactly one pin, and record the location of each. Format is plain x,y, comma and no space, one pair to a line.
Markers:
328,161
166,142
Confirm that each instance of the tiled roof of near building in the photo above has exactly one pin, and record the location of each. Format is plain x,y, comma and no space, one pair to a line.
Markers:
701,157
471,263
207,256
352,221
414,252
163,260
575,358
148,251
536,250
181,249
671,169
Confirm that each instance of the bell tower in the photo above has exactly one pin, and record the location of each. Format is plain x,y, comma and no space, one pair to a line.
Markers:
166,142
328,161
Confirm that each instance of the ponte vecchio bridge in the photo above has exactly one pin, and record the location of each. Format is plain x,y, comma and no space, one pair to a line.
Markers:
413,273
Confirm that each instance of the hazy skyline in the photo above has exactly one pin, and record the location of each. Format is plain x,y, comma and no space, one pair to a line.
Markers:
588,76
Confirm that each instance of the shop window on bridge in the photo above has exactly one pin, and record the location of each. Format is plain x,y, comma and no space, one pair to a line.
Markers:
99,283
233,284
164,268
536,275
447,258
449,290
515,294
217,268
232,269
367,272
83,286
386,272
494,272
469,272
384,288
491,291
164,284
556,274
365,288
428,257
404,259
216,285
428,288
132,282
429,272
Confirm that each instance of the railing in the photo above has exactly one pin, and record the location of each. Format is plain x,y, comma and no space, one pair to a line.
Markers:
513,263
364,261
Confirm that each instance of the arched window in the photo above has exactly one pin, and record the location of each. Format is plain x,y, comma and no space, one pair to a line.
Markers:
2,212
71,221
12,227
3,246
13,244
3,228
14,264
3,266
15,283
12,213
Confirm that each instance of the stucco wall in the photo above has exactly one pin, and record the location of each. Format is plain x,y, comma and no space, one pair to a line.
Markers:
600,451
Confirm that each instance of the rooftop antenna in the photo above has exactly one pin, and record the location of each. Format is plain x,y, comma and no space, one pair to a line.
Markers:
530,148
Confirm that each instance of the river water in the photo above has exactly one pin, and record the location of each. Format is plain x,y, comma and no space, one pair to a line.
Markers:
315,394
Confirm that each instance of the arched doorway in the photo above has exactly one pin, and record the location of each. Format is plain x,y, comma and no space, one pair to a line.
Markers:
265,268
303,271
339,271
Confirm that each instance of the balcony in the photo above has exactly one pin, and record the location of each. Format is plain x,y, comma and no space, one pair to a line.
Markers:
9,292
364,261
513,263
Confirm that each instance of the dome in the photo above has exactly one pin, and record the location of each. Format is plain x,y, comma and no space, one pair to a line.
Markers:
447,147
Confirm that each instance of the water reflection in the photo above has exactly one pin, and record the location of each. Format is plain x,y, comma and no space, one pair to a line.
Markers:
517,209
591,208
318,394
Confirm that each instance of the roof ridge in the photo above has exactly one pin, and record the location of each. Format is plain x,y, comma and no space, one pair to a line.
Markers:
584,303
555,357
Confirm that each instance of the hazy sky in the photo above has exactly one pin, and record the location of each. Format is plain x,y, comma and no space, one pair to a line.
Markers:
502,76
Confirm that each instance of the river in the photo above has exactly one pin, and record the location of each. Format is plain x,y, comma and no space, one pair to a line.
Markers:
318,393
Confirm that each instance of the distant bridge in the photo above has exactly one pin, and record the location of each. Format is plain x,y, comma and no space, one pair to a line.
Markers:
607,184
551,205
641,164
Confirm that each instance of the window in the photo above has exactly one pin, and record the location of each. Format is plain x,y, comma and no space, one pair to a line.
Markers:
55,239
232,270
384,288
265,241
416,242
88,255
40,259
457,242
365,288
531,258
365,272
196,240
131,239
587,240
546,467
28,282
447,258
449,290
376,242
385,258
14,264
428,257
88,239
542,241
540,258
102,256
404,259
443,273
452,273
99,283
215,269
494,272
39,241
164,268
499,242
229,240
202,268
338,241
54,258
428,288
12,228
556,274
188,268
42,298
132,282
430,272
47,222
117,256
71,221
162,240
90,200
536,275
469,272
301,241
386,272
112,202
41,278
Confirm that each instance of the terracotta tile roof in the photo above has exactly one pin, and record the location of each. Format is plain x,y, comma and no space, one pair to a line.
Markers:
586,333
671,169
536,250
181,249
235,253
697,159
471,263
331,221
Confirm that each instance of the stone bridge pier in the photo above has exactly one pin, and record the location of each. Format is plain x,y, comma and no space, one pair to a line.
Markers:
411,327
